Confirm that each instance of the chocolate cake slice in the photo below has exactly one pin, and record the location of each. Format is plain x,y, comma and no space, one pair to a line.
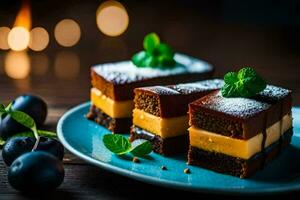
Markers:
238,136
113,85
160,114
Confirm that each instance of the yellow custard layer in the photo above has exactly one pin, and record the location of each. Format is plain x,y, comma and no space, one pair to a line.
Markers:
213,142
115,109
164,127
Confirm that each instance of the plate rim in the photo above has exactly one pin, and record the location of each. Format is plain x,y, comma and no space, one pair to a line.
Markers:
163,182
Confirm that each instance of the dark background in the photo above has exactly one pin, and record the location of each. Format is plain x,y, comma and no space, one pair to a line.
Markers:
230,34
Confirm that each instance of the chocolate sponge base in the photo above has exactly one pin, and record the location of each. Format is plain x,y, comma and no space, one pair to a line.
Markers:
116,125
163,146
236,166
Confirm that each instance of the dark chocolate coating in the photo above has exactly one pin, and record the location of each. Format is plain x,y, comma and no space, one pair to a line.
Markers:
173,100
240,117
117,80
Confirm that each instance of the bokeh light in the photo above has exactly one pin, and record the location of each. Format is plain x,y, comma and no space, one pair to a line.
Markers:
4,31
112,18
67,32
39,63
39,39
66,65
17,64
18,38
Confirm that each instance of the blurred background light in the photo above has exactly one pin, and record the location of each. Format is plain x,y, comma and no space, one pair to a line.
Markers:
17,64
4,31
67,32
112,18
66,65
39,39
18,38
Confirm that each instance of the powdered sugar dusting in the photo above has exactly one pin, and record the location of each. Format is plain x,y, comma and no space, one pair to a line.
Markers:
190,88
238,107
161,90
126,72
186,88
273,93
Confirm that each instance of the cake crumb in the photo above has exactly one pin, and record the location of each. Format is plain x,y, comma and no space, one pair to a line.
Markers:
136,160
187,171
163,167
89,115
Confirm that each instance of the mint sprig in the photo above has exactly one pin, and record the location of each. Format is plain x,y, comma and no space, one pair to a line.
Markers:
2,142
26,121
156,54
120,145
117,144
244,83
44,133
141,147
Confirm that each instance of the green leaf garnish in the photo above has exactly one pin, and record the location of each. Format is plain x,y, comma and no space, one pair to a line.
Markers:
156,54
120,145
25,120
48,134
117,144
245,83
150,42
2,142
141,147
44,133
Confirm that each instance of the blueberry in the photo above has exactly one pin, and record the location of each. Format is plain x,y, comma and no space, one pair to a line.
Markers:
15,147
36,171
52,146
32,105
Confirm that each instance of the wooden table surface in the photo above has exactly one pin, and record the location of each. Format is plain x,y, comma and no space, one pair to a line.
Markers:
61,76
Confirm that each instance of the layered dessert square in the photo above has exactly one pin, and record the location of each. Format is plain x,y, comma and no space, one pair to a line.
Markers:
113,85
239,136
160,114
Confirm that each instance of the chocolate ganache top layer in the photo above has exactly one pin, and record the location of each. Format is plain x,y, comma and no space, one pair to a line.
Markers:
126,72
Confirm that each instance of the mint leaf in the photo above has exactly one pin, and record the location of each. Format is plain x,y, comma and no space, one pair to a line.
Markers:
150,42
8,107
141,147
44,133
2,111
25,120
229,90
245,83
156,54
2,142
163,49
138,58
117,144
166,61
231,78
150,61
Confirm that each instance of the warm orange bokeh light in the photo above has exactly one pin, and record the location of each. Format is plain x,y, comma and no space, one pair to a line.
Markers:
67,32
39,39
112,18
4,31
18,37
23,18
17,64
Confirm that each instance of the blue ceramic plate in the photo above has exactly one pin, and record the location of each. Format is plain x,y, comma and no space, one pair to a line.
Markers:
84,139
